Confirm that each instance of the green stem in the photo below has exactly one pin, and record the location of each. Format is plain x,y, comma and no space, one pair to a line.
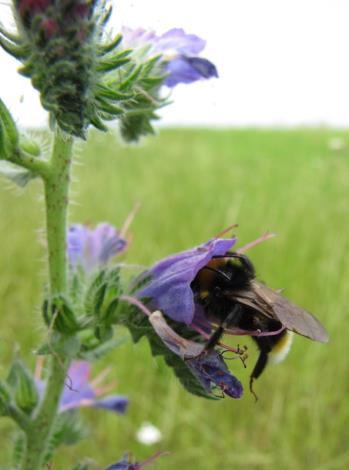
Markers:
56,184
57,198
34,164
17,415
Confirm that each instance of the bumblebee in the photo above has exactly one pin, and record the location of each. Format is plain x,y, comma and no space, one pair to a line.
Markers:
234,300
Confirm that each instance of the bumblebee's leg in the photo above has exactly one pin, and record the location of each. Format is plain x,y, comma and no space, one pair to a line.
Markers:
260,365
264,346
232,317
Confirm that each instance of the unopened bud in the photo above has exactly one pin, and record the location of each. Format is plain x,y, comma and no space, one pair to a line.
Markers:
8,133
30,146
58,313
5,397
25,390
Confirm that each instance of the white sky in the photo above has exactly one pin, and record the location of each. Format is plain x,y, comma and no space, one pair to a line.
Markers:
281,62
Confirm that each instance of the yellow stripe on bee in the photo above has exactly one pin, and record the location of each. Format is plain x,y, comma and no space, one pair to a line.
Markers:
281,348
204,294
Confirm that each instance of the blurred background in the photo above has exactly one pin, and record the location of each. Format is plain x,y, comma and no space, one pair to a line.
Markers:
280,63
265,146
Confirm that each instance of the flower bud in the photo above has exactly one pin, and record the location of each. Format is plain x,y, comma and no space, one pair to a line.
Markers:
58,312
56,45
23,384
30,146
8,133
5,398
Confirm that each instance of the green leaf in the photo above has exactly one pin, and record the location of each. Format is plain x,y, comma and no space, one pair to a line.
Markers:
95,350
17,175
9,127
139,326
109,47
113,62
17,51
68,430
61,345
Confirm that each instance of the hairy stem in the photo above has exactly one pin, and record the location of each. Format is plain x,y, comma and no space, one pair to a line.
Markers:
56,183
17,415
34,164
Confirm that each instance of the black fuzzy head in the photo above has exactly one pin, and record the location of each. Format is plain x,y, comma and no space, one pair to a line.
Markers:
231,272
227,274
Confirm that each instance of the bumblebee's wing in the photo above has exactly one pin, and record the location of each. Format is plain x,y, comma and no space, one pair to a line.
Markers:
290,315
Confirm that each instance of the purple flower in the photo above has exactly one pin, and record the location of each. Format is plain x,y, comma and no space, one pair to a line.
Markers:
79,391
92,248
208,366
179,53
211,370
169,287
126,462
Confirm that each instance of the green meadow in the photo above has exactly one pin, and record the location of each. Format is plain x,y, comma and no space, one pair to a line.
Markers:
192,184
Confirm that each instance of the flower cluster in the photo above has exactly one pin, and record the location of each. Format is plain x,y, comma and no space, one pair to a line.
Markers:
56,45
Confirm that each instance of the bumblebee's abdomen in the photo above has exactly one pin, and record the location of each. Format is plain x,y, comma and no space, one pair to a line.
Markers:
281,348
272,349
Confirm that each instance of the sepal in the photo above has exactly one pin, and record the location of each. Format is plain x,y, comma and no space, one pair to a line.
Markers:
59,314
30,146
5,398
8,133
92,349
102,297
23,386
61,345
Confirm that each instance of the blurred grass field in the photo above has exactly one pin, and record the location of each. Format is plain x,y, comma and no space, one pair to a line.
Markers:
192,184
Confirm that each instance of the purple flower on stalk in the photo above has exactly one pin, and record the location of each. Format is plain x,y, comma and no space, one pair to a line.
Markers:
93,248
211,369
179,53
208,366
79,391
169,287
126,462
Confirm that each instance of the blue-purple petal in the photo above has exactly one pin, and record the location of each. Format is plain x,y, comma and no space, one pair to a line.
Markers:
169,287
77,388
211,369
116,403
76,242
137,38
188,69
123,464
92,248
177,40
179,52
